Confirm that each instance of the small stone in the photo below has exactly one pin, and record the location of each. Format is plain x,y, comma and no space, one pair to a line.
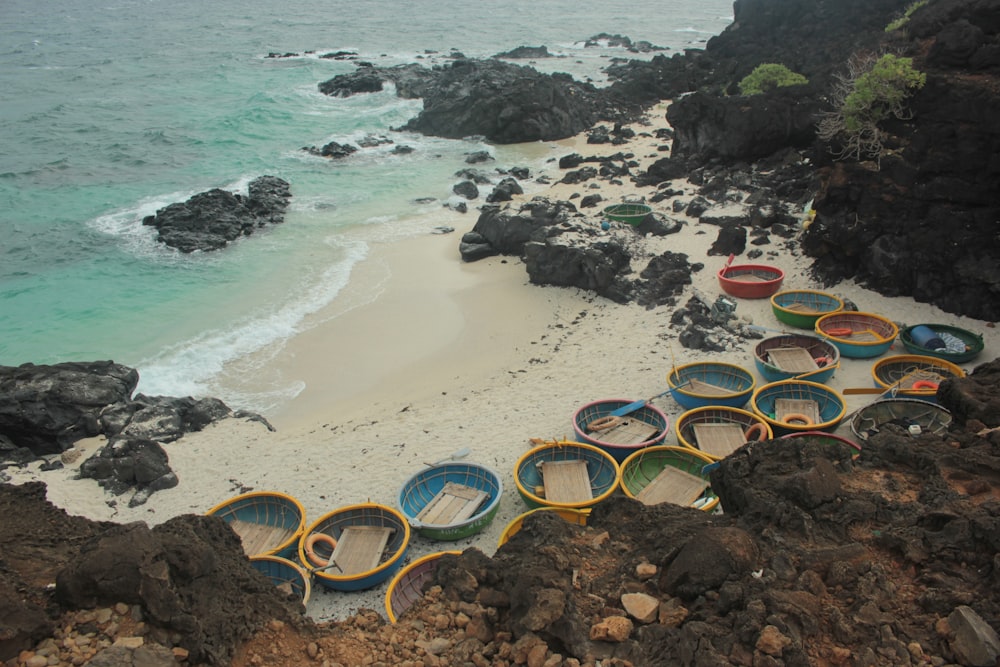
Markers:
121,608
645,571
640,606
102,615
312,650
180,654
129,642
612,629
37,661
536,655
771,641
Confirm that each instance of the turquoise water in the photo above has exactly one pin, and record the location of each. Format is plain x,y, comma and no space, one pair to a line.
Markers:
112,110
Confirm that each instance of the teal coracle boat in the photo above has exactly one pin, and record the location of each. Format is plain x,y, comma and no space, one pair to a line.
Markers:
269,523
801,308
960,345
566,474
451,501
669,474
798,405
705,383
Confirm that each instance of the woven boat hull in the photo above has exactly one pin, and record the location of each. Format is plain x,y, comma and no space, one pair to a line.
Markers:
640,469
407,586
648,414
735,385
801,308
829,405
858,335
825,354
602,470
265,509
631,214
363,514
906,372
744,419
903,412
973,343
422,488
283,572
750,281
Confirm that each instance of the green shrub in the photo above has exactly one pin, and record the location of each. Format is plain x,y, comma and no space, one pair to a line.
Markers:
904,19
872,91
769,76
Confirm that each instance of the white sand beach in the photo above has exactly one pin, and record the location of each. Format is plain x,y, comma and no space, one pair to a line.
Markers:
452,355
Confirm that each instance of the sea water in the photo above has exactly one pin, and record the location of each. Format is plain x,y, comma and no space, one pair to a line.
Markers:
113,109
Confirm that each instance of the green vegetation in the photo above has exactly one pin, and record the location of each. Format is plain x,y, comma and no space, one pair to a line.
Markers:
904,19
874,90
769,76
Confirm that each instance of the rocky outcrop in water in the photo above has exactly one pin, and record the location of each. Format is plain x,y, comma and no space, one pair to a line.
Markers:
212,220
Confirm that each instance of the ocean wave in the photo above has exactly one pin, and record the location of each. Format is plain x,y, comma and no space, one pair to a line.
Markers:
198,366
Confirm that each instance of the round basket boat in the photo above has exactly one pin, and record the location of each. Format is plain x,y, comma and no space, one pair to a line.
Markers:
706,383
915,375
717,431
858,335
798,405
668,474
356,547
801,308
960,345
566,474
620,436
750,281
269,523
632,214
796,356
572,516
833,447
910,414
408,585
285,574
450,501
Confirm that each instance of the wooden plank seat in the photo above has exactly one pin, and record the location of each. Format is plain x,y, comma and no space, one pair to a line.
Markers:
792,359
790,406
673,485
719,440
567,481
627,432
453,503
259,538
803,308
707,388
360,549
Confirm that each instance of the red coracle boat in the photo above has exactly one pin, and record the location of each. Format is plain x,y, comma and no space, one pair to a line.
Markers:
750,281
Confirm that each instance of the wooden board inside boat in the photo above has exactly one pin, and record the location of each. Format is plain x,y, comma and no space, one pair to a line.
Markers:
453,503
719,440
259,538
803,308
628,432
567,481
360,548
706,388
673,485
792,359
791,406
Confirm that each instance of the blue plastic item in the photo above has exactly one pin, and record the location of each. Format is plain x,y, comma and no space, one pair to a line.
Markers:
924,336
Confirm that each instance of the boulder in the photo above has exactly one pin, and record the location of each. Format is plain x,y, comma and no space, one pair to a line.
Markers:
213,219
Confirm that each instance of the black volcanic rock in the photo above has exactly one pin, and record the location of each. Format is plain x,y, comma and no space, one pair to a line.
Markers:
505,103
211,220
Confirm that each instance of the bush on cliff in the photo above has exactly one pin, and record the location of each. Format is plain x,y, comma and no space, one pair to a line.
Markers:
769,76
905,18
873,90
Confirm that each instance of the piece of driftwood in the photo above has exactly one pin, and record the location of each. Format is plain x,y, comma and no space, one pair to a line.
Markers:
359,549
673,485
453,503
719,440
791,406
567,481
260,538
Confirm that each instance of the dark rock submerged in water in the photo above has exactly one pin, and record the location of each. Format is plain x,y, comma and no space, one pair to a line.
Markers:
213,219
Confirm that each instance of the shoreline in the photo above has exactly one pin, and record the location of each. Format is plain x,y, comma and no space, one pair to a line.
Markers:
450,355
